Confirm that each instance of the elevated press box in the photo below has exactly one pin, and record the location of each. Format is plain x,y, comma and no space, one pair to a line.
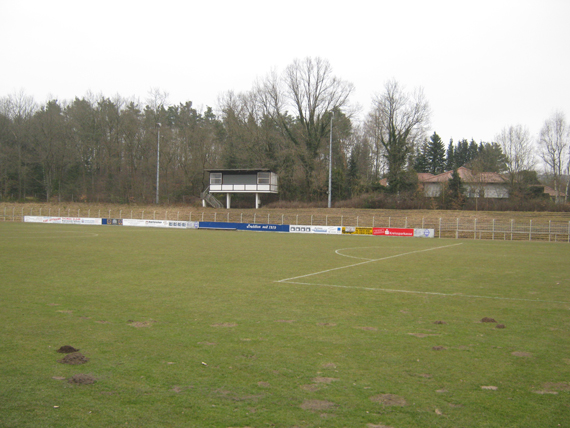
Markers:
230,181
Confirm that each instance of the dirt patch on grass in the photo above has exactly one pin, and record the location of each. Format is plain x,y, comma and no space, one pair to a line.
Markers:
439,348
327,324
521,354
500,326
439,322
490,387
423,334
82,379
225,324
74,358
317,405
102,322
329,366
389,400
378,426
66,349
311,387
487,319
325,379
141,324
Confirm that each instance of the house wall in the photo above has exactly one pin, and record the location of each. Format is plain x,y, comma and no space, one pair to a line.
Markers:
492,191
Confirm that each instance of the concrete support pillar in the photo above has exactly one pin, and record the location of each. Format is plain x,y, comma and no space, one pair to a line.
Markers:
228,200
204,203
256,200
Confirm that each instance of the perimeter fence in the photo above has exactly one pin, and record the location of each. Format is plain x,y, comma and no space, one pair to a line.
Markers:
458,228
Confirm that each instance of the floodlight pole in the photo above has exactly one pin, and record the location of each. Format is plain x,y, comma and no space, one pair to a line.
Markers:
158,125
330,162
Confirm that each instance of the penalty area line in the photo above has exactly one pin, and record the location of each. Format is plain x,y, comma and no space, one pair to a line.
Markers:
388,290
368,261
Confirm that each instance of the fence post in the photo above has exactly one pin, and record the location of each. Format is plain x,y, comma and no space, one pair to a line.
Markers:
530,231
512,229
142,215
326,220
297,220
254,217
311,219
439,233
373,222
202,215
356,221
341,220
241,218
406,223
13,213
475,228
389,218
457,229
493,229
99,214
120,214
423,223
216,215
549,221
154,215
228,220
282,215
268,218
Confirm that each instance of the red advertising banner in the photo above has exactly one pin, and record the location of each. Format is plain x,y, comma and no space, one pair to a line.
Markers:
391,231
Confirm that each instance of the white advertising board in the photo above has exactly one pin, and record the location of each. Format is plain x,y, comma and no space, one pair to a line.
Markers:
161,223
424,233
331,230
62,220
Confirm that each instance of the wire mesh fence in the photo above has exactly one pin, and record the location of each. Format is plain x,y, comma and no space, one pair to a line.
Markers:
457,228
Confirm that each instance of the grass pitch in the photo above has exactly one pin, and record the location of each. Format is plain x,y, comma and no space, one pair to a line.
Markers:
191,328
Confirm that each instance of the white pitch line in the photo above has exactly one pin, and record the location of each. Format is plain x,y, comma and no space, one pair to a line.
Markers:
368,261
388,290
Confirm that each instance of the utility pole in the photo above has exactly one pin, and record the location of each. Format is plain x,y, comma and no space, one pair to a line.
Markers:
158,125
330,162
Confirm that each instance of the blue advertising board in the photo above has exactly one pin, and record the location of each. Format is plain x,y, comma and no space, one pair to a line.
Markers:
244,226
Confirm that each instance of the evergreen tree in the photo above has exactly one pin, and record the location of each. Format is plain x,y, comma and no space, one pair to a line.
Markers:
435,155
450,158
455,191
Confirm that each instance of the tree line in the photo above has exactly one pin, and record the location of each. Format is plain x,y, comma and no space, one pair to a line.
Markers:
104,149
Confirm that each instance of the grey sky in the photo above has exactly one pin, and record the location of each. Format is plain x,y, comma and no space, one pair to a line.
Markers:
482,65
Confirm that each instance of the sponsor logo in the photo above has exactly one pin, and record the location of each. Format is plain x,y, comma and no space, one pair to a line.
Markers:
182,224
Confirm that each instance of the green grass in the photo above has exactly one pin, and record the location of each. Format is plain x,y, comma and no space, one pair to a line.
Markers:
270,347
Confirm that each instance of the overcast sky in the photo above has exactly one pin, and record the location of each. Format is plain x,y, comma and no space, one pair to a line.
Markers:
483,65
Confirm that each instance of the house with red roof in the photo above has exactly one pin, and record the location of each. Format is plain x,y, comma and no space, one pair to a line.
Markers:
477,184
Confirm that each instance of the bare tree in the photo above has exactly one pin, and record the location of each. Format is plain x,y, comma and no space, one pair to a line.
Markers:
518,147
19,108
309,90
554,142
398,120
